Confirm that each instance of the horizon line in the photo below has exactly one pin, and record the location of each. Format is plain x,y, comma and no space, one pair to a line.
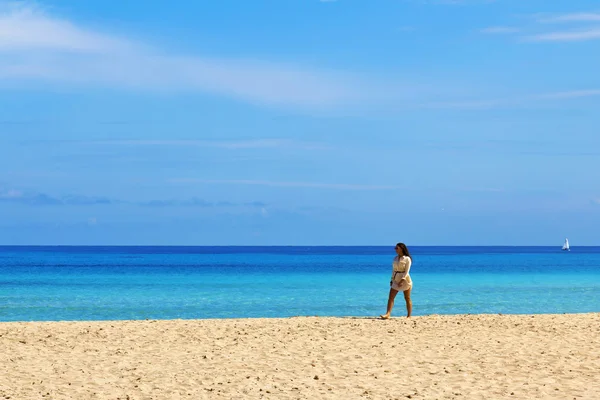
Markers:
279,245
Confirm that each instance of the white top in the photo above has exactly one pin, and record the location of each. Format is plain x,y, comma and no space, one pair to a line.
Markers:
402,266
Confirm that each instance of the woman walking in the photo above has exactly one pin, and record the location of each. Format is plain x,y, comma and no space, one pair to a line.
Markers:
400,280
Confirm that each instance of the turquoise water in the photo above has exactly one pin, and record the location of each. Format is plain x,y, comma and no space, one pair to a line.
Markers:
110,283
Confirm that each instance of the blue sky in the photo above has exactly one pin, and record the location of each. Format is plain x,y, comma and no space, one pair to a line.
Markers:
345,122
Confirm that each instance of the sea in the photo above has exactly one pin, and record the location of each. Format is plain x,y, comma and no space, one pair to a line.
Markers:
137,283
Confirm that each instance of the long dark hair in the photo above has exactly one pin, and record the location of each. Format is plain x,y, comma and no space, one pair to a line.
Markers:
404,250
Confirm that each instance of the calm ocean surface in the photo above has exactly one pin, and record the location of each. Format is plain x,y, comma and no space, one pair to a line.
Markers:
111,283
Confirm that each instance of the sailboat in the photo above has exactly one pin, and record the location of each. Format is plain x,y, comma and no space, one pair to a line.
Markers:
566,245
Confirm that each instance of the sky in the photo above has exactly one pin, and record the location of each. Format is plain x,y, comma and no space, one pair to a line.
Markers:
300,122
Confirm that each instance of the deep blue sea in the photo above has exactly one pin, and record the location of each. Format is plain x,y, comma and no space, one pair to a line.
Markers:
114,283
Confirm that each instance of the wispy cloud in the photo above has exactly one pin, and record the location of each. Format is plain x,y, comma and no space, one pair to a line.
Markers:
315,185
517,101
42,199
37,47
25,26
543,148
565,36
456,2
477,104
572,17
223,144
197,202
572,94
499,30
582,28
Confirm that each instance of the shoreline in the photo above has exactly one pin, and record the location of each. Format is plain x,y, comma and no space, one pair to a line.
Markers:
435,356
358,317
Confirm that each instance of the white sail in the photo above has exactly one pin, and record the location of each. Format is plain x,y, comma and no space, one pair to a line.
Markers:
566,245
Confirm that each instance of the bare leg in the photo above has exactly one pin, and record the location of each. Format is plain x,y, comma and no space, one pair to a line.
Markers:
390,304
408,302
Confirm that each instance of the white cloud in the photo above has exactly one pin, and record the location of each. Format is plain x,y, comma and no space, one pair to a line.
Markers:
338,186
514,101
33,198
223,144
500,30
573,17
573,94
457,2
36,47
9,194
538,31
566,36
481,104
27,28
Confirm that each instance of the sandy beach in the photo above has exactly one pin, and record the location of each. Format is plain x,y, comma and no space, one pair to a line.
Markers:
431,357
